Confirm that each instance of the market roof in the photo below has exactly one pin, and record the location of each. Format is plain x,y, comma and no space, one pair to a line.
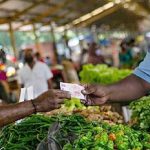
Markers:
62,12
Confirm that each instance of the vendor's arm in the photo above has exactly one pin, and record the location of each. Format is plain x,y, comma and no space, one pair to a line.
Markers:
49,82
48,101
130,88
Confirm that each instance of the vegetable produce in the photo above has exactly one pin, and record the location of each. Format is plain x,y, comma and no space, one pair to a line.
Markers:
75,133
93,113
26,134
141,114
102,74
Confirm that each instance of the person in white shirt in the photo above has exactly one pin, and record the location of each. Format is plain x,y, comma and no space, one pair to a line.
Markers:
35,73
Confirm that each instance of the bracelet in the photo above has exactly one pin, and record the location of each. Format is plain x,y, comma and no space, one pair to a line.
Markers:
35,111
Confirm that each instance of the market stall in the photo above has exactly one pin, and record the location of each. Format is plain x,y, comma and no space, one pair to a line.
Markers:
75,131
75,126
63,32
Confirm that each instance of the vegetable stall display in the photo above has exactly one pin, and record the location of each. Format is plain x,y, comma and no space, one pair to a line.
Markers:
84,128
75,133
102,74
141,114
97,113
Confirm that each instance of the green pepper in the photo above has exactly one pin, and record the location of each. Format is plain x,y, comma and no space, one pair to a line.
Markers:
146,145
68,146
110,145
102,138
98,129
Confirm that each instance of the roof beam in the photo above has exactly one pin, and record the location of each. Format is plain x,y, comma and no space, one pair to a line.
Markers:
45,14
17,15
137,9
51,11
99,16
2,20
44,24
3,1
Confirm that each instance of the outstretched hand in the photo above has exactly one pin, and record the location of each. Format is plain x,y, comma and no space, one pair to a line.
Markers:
95,95
50,100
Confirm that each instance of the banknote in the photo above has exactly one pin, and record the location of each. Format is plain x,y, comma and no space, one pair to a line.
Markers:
74,89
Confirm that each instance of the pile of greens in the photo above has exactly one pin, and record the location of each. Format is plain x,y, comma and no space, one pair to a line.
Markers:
75,133
26,134
102,74
72,104
141,113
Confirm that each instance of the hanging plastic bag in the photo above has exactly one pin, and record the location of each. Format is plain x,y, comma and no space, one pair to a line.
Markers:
50,143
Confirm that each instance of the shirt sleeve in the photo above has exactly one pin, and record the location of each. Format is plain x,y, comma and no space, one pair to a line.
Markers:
48,73
143,70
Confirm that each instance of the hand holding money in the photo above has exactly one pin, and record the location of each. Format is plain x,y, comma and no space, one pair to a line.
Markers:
90,95
73,89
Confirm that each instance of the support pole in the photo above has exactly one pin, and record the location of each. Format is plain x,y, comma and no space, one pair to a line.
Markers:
36,38
54,42
12,40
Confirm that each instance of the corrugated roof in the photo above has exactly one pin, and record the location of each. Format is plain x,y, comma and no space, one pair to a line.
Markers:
23,12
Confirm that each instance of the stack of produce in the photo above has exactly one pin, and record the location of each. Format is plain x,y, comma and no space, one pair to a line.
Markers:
102,74
26,134
75,133
141,114
102,113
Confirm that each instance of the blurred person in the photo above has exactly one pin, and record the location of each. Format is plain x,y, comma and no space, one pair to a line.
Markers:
84,57
48,101
38,57
95,56
4,88
2,56
125,55
115,53
3,76
35,73
48,61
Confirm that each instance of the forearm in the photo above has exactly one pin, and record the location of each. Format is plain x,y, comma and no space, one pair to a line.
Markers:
130,88
49,82
14,112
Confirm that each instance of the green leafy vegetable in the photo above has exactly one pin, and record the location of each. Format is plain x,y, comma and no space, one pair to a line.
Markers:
102,74
75,133
141,113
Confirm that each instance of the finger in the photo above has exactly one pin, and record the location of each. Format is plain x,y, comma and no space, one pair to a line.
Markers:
83,101
62,94
89,90
90,101
84,85
86,101
102,100
57,106
99,101
59,101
